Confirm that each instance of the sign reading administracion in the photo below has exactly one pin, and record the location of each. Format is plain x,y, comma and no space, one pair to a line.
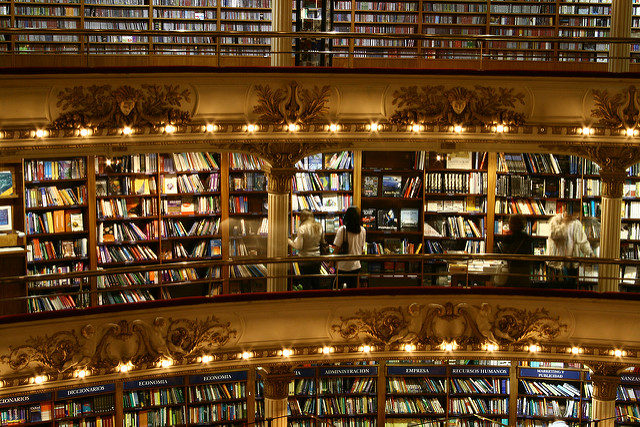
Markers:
83,391
19,400
559,374
154,383
218,377
346,371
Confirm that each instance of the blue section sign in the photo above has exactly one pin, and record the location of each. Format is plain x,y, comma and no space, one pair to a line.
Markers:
218,377
349,371
557,374
19,400
83,391
154,383
480,370
416,370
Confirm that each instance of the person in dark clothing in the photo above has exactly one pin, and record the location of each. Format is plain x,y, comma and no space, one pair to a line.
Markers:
518,242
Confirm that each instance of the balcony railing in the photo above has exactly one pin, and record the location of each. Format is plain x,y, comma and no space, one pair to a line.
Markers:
93,48
210,278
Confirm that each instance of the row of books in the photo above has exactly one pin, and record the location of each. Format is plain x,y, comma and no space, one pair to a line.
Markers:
126,208
26,414
217,412
249,227
341,160
248,181
46,250
221,391
134,163
67,267
456,182
126,232
133,253
188,184
393,246
480,385
88,405
248,270
405,219
470,204
154,397
202,248
126,186
189,162
241,161
347,385
415,405
199,205
99,421
50,303
203,227
321,182
413,385
343,405
470,405
52,170
523,206
124,296
327,202
171,416
127,279
548,408
57,221
302,387
45,197
544,388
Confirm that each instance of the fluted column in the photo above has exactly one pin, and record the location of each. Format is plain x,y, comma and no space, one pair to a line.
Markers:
276,381
605,379
621,11
278,218
281,55
611,217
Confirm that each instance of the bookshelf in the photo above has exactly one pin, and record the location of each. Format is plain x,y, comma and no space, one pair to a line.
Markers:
190,228
65,15
56,218
392,199
303,397
218,398
627,396
310,16
184,15
157,402
248,226
415,394
546,394
245,15
94,405
630,233
32,408
127,226
348,394
133,15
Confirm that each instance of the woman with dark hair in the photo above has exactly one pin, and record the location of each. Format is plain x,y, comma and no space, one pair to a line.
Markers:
350,239
518,242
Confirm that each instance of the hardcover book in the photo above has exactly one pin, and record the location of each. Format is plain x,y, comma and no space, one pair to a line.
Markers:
387,219
114,186
6,183
370,186
391,185
330,202
409,219
101,187
369,218
170,184
392,246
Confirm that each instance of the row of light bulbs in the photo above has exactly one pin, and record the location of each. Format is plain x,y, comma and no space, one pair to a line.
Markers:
292,127
445,346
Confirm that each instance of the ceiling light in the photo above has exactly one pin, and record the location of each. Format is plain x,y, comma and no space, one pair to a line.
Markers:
457,129
127,130
333,127
211,128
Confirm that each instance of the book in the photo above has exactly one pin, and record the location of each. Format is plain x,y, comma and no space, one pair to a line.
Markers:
370,186
330,202
174,207
170,184
459,161
101,187
6,183
114,186
187,206
369,219
391,185
75,222
58,221
392,246
409,219
67,249
387,219
141,186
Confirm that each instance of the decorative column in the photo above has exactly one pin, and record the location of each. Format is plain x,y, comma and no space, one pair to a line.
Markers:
276,381
281,51
279,187
605,379
610,223
621,11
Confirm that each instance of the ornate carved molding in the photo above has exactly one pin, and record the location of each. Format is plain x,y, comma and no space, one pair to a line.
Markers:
291,105
279,180
111,344
435,105
276,381
99,106
463,323
617,111
605,379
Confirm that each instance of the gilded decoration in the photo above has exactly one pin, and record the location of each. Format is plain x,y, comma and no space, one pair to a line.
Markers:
276,380
435,105
109,345
104,107
463,323
617,111
291,105
605,378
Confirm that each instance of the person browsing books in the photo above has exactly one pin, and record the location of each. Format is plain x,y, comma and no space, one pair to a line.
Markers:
567,239
518,242
353,236
307,243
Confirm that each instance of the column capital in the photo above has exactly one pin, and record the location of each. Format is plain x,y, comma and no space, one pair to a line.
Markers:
605,379
276,381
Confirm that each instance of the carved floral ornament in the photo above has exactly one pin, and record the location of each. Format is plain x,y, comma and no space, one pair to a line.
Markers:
436,105
109,345
618,111
291,105
463,323
104,107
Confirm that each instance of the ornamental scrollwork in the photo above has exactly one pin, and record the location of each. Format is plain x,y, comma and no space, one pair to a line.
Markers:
111,344
292,105
435,105
463,323
104,107
617,111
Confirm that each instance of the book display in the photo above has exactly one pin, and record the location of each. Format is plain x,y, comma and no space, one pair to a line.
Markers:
218,398
248,226
630,233
244,15
30,409
107,15
311,16
127,226
539,186
627,398
184,15
154,402
56,201
85,406
348,394
303,395
324,185
46,15
546,394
